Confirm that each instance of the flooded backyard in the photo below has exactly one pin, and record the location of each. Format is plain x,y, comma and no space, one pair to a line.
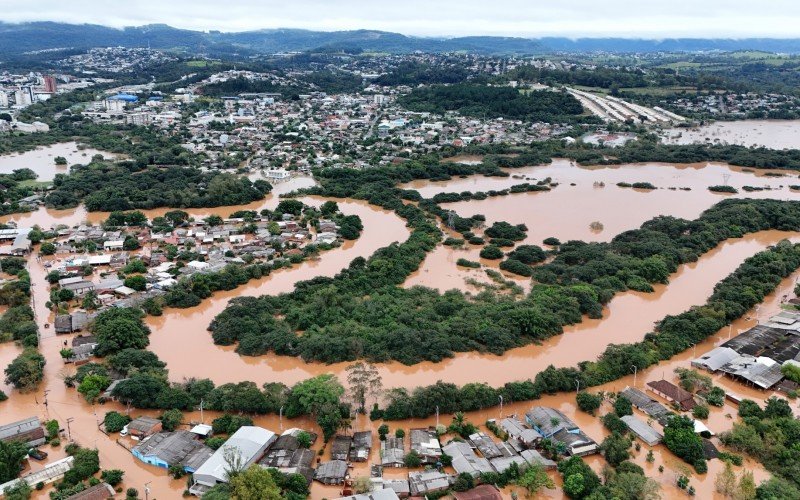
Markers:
773,134
42,160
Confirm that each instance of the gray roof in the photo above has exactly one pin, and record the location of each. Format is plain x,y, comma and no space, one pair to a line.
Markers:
501,464
335,470
425,443
143,424
755,370
776,343
642,430
392,451
249,441
645,403
174,447
519,431
533,457
340,449
427,481
362,444
714,359
485,445
384,494
465,460
9,431
549,421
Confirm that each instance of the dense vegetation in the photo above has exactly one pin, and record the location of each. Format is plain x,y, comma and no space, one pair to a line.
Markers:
732,298
361,313
771,436
104,186
492,102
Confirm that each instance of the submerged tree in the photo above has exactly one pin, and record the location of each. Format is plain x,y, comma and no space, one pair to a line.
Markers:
364,381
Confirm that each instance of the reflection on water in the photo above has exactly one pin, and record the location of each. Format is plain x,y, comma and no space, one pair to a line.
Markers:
773,134
42,160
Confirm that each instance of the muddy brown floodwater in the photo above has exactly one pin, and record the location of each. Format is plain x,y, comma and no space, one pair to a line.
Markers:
773,134
42,160
180,337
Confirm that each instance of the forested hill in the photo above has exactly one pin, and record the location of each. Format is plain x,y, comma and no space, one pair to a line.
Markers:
24,37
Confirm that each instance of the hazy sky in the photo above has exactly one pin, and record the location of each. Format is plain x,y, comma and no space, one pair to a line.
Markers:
623,18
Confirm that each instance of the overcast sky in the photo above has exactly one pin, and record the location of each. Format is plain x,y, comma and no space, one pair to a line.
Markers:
532,18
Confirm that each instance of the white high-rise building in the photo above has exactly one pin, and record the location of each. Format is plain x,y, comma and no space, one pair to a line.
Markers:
3,99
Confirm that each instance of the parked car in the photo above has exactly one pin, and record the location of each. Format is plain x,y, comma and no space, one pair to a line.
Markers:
37,454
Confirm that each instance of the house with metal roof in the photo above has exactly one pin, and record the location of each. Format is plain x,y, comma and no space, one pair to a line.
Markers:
393,452
465,460
173,448
429,481
715,359
645,403
383,494
533,457
332,472
485,445
362,444
289,457
340,449
502,464
643,431
249,443
554,425
28,431
517,431
141,427
426,443
762,372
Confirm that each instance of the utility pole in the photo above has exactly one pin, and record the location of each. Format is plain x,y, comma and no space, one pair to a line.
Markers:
69,434
577,385
147,490
501,406
635,371
202,421
46,409
437,415
280,418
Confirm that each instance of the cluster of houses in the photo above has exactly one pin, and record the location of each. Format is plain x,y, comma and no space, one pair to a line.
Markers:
756,357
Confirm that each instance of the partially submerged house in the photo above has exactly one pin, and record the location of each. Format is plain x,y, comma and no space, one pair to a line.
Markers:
333,472
393,452
465,460
249,443
426,482
519,433
673,394
28,431
554,425
340,449
643,431
485,445
645,403
179,448
289,457
141,427
426,443
362,444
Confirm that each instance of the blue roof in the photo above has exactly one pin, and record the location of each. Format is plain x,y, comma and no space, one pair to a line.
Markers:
125,97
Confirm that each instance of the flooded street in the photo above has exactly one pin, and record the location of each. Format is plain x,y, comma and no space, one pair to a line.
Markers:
773,134
42,160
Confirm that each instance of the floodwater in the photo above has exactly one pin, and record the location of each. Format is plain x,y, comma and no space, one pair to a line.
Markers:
42,160
567,211
773,134
180,337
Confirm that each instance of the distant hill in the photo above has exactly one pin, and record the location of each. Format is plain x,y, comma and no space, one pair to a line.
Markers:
24,37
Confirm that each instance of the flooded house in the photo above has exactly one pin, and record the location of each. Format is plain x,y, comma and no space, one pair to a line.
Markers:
249,443
519,435
179,448
361,446
141,427
465,461
643,431
426,443
646,404
672,393
554,425
340,449
393,452
286,455
427,482
332,472
28,431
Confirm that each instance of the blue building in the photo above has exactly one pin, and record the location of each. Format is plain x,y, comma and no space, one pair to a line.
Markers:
173,448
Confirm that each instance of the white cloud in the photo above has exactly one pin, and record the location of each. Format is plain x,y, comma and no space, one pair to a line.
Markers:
532,18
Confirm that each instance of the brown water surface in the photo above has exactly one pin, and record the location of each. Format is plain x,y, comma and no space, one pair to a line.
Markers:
42,160
773,134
